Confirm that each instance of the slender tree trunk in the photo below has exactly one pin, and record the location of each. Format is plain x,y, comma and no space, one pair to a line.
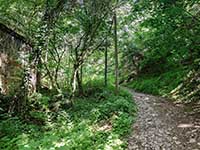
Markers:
38,74
79,81
116,54
73,80
74,74
81,74
76,81
106,63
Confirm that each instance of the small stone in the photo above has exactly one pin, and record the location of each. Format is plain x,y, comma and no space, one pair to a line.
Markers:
192,141
154,115
178,142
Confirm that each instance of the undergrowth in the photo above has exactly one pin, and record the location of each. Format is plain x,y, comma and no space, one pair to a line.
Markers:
98,121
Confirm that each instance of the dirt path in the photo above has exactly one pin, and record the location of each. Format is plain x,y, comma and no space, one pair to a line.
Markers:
162,125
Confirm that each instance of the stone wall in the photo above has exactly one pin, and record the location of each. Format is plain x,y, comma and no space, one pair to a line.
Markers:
13,58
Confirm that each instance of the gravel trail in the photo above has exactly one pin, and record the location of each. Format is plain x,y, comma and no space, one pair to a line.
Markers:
163,125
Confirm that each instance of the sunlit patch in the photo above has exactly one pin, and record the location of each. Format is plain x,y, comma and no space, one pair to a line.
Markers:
185,125
60,144
106,127
26,146
113,143
188,126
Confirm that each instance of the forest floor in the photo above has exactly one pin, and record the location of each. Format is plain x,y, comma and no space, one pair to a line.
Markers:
163,125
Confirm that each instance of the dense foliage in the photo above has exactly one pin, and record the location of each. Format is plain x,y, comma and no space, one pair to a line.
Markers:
164,45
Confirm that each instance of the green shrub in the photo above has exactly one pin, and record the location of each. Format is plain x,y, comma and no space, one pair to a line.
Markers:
122,124
95,122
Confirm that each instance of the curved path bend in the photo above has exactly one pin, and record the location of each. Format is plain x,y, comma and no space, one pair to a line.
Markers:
162,125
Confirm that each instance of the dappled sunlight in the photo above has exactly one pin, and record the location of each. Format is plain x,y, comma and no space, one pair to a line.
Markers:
106,127
185,125
61,144
113,143
188,125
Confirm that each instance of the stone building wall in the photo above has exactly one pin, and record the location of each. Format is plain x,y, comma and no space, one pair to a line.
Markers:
13,58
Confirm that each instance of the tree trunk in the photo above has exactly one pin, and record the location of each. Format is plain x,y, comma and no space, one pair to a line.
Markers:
81,74
106,63
76,81
38,74
116,54
79,81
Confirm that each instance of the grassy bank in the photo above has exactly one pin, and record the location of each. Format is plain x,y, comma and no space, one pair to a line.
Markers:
160,84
